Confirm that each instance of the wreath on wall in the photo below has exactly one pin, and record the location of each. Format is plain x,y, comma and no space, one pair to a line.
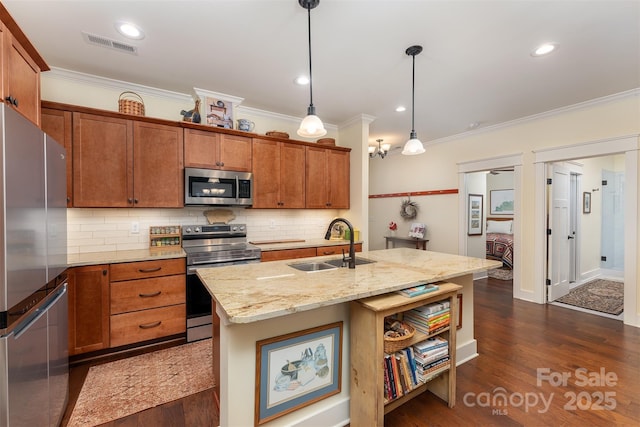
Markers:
408,209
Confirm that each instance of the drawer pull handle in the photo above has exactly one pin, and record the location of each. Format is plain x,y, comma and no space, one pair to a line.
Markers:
149,270
329,252
150,325
155,294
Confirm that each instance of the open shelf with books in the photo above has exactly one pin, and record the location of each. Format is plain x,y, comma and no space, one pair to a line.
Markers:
424,362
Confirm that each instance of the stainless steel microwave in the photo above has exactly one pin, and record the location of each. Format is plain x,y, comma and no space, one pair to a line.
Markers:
216,187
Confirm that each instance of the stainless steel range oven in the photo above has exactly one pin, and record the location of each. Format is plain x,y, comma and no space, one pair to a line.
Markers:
215,245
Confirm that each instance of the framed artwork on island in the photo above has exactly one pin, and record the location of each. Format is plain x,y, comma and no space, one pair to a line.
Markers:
296,370
475,213
501,202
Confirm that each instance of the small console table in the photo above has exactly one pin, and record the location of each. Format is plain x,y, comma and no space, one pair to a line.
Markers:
415,240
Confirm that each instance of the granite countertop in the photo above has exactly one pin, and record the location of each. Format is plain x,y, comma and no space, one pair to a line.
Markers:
150,254
114,257
254,292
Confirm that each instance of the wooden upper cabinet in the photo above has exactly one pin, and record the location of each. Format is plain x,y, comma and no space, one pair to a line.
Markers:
339,179
20,68
278,174
327,178
124,163
235,153
158,178
58,125
213,150
102,161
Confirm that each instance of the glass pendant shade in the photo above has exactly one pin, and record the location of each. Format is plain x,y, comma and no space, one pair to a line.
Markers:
412,147
311,126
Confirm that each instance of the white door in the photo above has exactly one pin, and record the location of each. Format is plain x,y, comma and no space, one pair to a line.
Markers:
558,240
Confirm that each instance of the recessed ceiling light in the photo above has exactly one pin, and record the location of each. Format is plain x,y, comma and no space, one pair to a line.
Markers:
544,49
302,80
400,109
473,125
130,30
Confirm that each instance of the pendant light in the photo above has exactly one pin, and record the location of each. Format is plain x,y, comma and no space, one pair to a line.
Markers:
414,145
311,126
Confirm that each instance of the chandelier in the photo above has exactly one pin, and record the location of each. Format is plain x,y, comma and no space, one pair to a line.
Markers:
381,150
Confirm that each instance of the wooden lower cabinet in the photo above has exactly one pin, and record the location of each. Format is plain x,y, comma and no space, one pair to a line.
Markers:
88,309
138,326
306,252
333,250
147,300
367,401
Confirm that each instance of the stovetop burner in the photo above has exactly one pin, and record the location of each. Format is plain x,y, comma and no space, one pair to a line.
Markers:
217,243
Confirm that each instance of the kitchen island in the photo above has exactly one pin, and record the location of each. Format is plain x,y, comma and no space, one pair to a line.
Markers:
260,301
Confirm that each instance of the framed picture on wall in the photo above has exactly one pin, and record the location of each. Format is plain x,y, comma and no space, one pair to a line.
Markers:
586,202
474,224
501,202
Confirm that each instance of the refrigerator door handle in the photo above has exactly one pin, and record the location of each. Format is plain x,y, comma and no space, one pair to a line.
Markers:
39,312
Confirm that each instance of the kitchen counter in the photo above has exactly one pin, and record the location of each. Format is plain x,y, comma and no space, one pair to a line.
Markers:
114,257
274,245
149,254
254,292
258,302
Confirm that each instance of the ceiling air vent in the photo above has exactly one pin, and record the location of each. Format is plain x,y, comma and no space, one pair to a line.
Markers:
109,43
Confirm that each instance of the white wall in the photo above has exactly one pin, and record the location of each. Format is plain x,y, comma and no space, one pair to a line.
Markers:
437,168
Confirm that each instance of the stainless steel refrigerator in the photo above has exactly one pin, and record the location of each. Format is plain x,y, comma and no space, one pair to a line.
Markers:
33,288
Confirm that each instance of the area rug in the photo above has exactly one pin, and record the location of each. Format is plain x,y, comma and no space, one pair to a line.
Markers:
606,296
502,273
117,389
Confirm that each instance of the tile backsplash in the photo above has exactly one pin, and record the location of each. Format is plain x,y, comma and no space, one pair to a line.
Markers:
101,230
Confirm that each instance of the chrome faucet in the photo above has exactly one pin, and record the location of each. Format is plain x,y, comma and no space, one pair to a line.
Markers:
352,250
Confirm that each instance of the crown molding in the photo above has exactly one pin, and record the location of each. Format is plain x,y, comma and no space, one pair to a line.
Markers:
357,119
202,93
277,116
119,85
550,113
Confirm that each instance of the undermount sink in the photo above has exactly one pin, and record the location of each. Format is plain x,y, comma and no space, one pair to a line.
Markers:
339,263
313,266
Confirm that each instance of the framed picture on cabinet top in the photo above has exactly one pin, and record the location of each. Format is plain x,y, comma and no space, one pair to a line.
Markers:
218,113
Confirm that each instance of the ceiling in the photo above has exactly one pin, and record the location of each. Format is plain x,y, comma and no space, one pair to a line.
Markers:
476,65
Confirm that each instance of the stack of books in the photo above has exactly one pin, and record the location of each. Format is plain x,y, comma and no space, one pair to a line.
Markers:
431,357
431,318
400,374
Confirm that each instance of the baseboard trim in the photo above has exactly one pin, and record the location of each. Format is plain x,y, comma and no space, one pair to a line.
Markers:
466,352
335,415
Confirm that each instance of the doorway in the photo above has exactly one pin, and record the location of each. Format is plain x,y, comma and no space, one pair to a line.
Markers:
627,147
473,180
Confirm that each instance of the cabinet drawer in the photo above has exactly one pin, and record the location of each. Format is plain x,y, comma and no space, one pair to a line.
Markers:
144,269
332,250
136,326
147,293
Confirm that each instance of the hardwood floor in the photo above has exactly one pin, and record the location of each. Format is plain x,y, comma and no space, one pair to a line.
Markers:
599,357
